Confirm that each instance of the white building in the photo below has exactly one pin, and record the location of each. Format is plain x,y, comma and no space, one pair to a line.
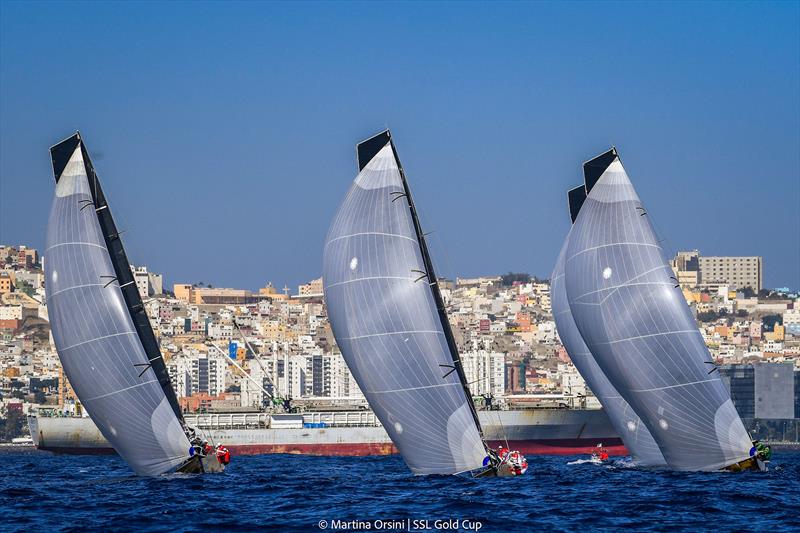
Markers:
253,395
179,370
572,383
217,330
148,283
206,374
484,371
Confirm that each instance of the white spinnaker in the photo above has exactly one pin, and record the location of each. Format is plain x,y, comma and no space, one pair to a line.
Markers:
96,339
386,324
628,425
638,326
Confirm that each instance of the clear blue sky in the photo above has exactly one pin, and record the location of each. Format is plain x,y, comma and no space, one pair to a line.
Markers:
224,134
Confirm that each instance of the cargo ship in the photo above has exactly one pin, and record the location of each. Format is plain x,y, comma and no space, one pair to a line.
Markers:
346,433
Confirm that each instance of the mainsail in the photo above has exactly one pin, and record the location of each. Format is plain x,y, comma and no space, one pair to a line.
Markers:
99,325
632,315
629,427
389,321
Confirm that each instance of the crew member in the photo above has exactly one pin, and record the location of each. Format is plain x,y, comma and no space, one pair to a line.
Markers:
223,454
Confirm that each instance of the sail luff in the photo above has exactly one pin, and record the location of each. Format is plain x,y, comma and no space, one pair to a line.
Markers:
122,270
433,283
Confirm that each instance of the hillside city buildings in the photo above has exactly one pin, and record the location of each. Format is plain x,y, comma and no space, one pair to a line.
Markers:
231,348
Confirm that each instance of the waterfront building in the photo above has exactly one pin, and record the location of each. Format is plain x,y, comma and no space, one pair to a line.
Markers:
763,390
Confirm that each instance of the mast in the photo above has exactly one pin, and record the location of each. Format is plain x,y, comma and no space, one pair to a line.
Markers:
366,150
60,155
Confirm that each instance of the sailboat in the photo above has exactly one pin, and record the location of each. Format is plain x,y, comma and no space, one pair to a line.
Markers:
101,330
634,434
631,313
389,321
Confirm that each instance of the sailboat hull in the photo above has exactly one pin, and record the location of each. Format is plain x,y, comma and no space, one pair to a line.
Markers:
202,465
751,464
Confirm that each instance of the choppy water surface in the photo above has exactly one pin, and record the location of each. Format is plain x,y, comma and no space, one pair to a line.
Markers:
44,492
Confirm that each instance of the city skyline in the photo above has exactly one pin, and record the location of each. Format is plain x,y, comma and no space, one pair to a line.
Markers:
224,158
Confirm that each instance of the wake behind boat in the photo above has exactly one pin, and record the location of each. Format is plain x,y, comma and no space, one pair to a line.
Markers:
389,320
102,333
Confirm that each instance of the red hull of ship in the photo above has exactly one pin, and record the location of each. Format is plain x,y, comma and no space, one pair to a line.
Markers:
543,447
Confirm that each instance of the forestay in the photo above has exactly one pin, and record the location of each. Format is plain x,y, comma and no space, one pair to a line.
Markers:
97,342
386,323
632,315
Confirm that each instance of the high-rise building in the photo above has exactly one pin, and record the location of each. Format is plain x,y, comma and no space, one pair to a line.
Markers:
762,390
738,272
207,374
693,270
485,371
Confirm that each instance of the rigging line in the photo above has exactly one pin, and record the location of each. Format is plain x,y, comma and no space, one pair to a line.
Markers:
422,273
503,429
451,367
255,355
146,366
86,203
243,371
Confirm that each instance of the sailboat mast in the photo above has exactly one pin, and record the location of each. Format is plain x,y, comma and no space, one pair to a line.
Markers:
437,295
60,155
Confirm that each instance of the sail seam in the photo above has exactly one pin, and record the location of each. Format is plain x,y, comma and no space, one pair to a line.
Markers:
414,388
77,243
674,386
73,288
369,278
106,395
370,233
97,339
392,333
614,244
648,336
613,288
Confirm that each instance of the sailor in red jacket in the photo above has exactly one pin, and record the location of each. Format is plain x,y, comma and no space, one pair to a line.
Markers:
223,454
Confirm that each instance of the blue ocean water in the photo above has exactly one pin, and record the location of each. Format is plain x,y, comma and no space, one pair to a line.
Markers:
44,492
